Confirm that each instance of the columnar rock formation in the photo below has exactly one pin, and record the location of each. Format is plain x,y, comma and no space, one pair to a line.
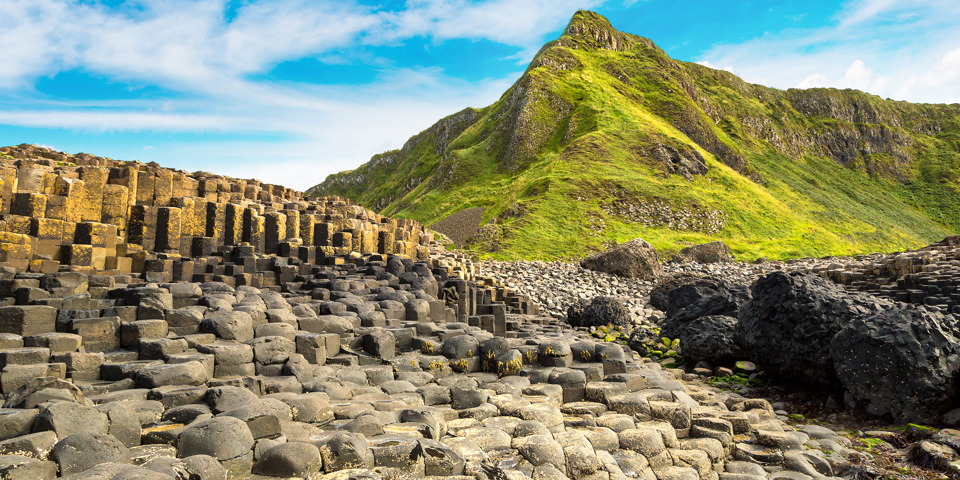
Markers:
928,276
98,215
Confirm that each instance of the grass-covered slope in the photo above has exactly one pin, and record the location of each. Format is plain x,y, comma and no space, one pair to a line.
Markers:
605,138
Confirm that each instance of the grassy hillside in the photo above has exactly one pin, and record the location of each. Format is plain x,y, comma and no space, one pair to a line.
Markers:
605,138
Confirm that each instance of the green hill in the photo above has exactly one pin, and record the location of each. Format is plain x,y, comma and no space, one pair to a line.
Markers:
606,138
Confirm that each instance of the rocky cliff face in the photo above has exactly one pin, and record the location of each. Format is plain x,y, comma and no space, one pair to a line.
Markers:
597,104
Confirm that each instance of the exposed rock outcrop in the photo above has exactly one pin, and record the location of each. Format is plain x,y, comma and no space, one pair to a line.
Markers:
632,259
713,252
902,362
602,311
789,323
688,296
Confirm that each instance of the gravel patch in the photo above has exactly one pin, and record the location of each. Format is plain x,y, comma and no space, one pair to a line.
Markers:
557,285
461,225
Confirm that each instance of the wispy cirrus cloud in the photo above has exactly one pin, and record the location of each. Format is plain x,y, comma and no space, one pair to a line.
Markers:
185,44
207,59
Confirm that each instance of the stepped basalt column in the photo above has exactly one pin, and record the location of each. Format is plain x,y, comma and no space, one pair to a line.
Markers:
928,276
101,216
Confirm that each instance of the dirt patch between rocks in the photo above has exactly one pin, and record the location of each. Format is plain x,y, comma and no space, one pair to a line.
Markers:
461,225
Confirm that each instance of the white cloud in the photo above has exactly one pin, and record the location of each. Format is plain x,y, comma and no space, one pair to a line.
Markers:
43,145
864,10
520,23
302,135
208,66
945,71
814,81
858,76
99,122
186,45
904,50
505,21
710,65
172,43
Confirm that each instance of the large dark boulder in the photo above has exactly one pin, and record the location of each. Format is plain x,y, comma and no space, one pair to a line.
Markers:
575,311
633,259
901,362
693,295
788,325
603,311
662,295
709,338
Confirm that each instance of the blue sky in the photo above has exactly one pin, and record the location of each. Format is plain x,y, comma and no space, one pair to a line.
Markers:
290,91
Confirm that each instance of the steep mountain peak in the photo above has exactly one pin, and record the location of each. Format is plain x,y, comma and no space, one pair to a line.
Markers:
605,138
596,31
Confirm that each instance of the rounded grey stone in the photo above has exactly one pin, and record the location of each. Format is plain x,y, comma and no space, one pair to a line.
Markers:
84,450
294,459
223,438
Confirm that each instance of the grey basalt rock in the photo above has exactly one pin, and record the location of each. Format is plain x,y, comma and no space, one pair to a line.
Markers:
63,284
491,350
467,397
33,393
552,402
380,343
641,339
308,408
687,296
197,467
633,259
541,450
65,419
461,346
189,373
261,420
400,453
117,471
901,362
342,451
229,325
272,349
727,301
604,311
15,422
80,451
788,325
575,311
440,459
223,438
22,467
709,338
712,252
228,353
367,425
293,459
124,423
185,413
